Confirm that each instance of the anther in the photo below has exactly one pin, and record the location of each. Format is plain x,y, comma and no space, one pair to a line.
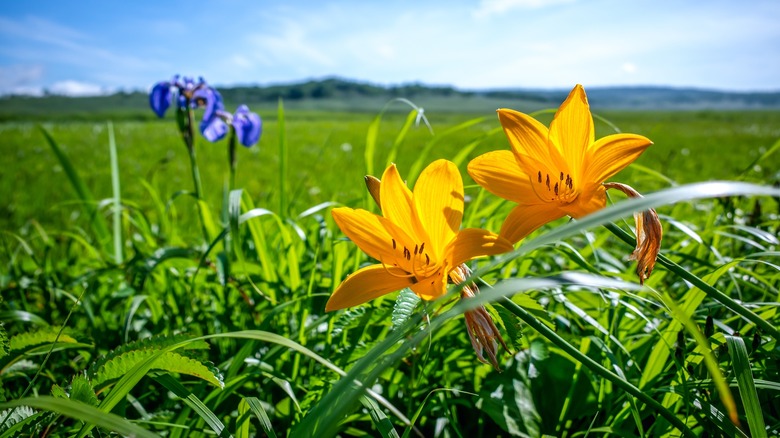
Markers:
393,243
415,249
556,188
561,178
422,245
427,259
539,176
548,182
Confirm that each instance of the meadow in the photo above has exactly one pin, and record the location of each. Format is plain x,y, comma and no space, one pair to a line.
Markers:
128,320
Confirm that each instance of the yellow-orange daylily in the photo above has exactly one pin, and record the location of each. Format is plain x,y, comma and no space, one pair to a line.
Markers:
417,239
555,172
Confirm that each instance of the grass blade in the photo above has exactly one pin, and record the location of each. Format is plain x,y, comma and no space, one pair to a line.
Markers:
193,402
82,412
265,422
117,196
740,363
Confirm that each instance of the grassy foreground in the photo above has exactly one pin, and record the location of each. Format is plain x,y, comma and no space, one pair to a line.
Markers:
171,334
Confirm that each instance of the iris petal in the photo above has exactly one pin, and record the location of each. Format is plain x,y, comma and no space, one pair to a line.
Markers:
366,284
248,126
160,98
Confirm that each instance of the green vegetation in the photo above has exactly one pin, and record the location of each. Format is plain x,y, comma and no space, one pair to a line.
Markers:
179,336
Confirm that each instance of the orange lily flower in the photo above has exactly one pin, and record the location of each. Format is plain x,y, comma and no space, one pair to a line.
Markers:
555,172
417,239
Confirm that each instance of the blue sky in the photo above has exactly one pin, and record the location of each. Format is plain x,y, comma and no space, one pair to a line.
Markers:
84,47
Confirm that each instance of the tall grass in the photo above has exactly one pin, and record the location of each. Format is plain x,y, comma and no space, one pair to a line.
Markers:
159,334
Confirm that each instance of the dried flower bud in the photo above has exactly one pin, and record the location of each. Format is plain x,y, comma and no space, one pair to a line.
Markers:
479,324
648,235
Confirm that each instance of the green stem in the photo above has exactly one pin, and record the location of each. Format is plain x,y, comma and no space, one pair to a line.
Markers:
186,120
232,159
710,291
593,365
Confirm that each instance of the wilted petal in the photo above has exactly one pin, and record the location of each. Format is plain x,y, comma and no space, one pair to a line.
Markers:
248,126
160,98
648,234
366,284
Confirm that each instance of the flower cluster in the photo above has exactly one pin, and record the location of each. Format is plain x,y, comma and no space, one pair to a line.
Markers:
549,172
192,94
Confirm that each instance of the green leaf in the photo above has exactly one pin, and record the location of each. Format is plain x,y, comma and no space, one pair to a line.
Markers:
404,307
81,390
194,402
118,366
257,407
82,412
508,399
380,420
747,387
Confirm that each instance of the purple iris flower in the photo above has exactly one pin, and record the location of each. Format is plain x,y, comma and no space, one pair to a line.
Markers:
212,126
248,126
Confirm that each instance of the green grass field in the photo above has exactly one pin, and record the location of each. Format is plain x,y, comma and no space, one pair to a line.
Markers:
174,334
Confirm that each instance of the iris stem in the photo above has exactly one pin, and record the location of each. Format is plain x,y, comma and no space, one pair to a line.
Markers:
594,366
185,118
232,159
710,291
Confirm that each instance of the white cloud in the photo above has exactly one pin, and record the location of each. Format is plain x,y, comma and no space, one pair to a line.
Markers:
628,67
491,7
76,88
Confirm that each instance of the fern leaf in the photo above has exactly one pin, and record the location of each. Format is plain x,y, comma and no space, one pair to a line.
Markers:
4,345
116,367
44,336
15,415
350,318
404,306
152,343
81,390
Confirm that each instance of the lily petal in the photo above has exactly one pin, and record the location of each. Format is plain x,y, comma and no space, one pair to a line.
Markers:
571,130
476,242
369,232
526,135
592,199
366,284
524,219
501,175
432,287
396,201
611,154
438,197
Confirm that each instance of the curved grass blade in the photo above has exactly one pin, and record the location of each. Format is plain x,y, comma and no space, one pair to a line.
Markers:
82,412
747,387
193,402
265,423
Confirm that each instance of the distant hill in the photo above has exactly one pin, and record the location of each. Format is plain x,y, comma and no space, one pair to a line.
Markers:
337,94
